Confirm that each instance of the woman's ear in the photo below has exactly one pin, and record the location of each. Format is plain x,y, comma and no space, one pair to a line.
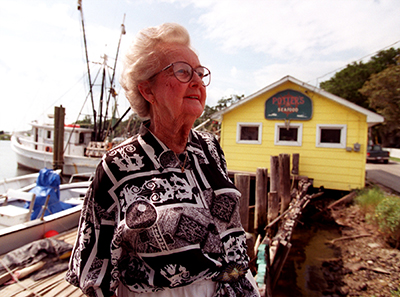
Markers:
146,91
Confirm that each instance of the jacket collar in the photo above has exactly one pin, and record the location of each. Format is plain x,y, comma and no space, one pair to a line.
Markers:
155,148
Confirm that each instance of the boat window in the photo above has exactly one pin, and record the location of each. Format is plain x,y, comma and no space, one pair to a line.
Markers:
81,138
249,133
333,136
288,134
36,135
48,134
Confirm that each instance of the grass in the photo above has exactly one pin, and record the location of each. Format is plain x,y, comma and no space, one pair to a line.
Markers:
368,199
395,159
383,210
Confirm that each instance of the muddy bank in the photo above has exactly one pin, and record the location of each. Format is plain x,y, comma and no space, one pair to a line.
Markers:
336,253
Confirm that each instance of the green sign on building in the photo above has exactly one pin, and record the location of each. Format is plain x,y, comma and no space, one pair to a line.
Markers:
288,105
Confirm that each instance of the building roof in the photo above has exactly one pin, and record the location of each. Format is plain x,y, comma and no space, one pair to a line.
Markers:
372,117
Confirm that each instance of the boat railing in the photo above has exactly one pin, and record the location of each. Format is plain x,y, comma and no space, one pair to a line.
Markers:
29,141
87,175
96,149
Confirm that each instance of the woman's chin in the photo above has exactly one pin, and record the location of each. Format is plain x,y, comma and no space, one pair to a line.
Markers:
195,109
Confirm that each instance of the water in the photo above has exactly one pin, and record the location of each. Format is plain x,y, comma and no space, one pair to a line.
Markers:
301,275
8,162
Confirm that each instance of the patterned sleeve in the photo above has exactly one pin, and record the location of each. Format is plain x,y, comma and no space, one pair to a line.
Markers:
90,264
235,278
222,159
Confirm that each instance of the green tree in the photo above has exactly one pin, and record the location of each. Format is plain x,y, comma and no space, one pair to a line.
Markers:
347,82
86,122
383,93
205,118
129,127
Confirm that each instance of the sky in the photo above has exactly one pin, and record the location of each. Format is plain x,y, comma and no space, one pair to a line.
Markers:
247,45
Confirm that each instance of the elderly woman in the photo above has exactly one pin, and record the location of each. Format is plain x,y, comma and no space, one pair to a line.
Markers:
161,216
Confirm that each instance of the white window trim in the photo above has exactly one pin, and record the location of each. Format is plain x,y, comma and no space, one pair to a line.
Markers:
343,136
243,124
299,141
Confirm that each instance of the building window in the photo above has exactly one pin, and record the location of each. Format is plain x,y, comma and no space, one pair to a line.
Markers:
249,133
291,134
332,136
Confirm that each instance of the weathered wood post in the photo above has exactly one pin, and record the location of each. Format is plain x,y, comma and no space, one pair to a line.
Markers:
284,181
295,164
58,141
242,182
261,201
273,206
274,182
273,197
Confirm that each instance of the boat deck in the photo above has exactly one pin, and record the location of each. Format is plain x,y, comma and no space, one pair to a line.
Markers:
51,286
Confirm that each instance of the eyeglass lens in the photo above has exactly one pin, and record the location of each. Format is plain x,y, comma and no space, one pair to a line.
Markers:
184,73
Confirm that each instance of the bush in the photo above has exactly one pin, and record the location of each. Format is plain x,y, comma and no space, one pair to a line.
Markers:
369,199
387,214
382,210
5,137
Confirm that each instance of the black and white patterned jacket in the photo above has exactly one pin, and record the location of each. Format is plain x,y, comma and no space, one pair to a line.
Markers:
152,224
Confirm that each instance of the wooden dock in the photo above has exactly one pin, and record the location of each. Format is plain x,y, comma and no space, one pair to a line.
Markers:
280,197
51,286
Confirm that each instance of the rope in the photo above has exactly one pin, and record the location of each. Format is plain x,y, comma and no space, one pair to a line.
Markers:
17,280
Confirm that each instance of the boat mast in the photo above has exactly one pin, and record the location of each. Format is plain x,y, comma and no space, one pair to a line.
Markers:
103,87
88,70
112,91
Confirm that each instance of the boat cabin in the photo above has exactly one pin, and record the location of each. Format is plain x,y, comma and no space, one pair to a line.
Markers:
76,139
292,117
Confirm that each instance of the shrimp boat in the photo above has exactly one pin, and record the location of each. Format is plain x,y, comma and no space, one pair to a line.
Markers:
34,149
83,145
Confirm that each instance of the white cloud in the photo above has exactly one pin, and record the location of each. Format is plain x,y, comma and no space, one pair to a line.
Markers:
234,71
293,29
305,39
246,44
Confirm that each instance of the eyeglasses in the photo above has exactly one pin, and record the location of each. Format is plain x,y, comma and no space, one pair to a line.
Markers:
184,72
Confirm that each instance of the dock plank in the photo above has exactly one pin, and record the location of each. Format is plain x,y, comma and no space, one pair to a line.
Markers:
51,286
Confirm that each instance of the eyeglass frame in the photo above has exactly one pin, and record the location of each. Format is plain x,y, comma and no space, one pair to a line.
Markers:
191,76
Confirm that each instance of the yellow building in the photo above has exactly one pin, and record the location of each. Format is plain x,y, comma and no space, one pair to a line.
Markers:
289,116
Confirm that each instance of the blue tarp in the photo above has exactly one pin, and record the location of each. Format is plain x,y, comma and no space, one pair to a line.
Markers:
48,182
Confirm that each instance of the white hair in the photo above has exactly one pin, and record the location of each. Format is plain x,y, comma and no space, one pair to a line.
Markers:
143,59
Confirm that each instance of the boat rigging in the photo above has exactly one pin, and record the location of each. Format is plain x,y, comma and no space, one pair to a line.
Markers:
99,120
82,147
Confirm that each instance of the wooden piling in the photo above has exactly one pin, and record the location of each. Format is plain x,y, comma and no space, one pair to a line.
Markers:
274,180
295,164
58,141
261,200
273,206
284,181
273,195
242,183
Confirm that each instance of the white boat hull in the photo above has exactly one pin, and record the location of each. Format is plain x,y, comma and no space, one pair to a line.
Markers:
19,235
34,159
16,236
19,182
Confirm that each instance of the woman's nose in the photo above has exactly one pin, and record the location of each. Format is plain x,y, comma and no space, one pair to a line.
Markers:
196,79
